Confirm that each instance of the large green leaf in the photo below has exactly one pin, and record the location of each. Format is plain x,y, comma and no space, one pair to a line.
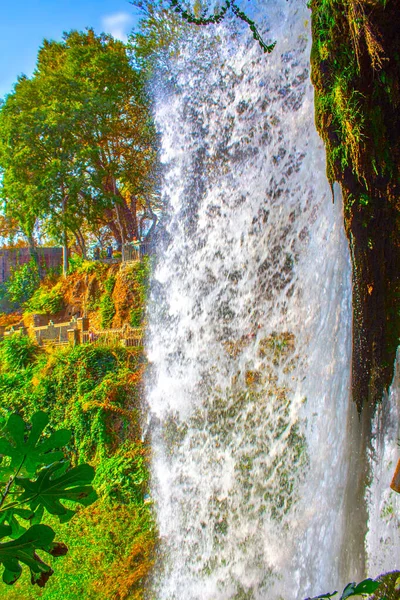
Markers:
23,550
7,517
52,487
367,586
25,448
9,514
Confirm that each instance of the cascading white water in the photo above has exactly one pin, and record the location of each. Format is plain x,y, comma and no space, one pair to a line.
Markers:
249,326
383,539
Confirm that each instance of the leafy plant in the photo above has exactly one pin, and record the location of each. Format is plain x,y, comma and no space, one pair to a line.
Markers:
365,587
123,477
107,306
88,267
17,352
94,391
75,262
47,482
139,277
23,282
46,301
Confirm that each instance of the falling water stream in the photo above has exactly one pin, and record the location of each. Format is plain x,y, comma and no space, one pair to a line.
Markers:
250,326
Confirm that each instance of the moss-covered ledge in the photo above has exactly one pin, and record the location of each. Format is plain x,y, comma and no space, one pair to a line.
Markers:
355,63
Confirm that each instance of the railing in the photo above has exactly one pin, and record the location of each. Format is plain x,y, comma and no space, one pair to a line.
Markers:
137,252
126,335
54,332
52,335
57,343
132,252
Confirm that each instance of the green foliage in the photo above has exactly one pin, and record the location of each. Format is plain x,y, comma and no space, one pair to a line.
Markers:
77,141
23,282
107,306
23,550
87,267
92,391
75,262
365,587
136,317
44,301
346,51
27,451
17,352
23,449
51,487
139,278
123,477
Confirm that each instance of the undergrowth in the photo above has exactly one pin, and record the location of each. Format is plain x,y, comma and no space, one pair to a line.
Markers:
94,391
138,277
107,306
46,301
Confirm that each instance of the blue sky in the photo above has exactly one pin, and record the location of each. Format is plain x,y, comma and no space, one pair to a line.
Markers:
25,23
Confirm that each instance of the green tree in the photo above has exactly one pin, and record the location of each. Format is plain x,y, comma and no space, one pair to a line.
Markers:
77,142
23,282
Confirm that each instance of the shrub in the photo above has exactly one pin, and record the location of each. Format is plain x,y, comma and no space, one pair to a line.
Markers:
107,306
88,267
123,477
17,352
93,391
75,263
139,276
46,301
23,282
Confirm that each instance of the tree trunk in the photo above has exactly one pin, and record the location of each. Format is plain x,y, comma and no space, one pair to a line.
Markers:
34,253
122,233
65,234
133,216
80,240
65,253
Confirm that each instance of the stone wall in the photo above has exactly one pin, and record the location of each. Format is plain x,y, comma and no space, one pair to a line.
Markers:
50,258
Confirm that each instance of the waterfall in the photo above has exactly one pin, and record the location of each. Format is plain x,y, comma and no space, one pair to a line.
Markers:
383,539
249,325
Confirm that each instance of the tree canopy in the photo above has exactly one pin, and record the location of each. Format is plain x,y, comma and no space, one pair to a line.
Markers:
77,142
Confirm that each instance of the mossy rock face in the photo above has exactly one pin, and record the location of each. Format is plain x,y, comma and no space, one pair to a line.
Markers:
355,63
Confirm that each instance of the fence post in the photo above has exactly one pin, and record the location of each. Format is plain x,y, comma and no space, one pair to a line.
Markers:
73,336
83,324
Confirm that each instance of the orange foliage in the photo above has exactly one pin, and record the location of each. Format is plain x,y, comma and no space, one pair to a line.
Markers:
10,319
126,576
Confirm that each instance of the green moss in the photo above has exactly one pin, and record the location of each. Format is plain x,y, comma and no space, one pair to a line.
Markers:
356,73
107,306
139,277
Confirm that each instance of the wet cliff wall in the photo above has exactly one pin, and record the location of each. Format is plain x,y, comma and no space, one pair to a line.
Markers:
356,75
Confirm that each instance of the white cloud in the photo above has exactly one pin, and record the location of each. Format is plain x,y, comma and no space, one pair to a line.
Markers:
118,24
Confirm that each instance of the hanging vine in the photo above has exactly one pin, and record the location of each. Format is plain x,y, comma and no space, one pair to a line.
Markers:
218,16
